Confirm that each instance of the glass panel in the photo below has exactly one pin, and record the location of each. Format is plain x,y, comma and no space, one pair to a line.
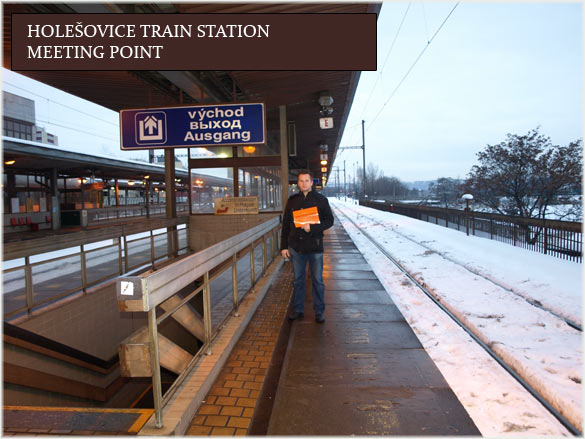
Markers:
13,290
138,252
161,248
183,239
269,254
262,182
244,281
222,302
35,181
258,261
53,278
101,264
207,184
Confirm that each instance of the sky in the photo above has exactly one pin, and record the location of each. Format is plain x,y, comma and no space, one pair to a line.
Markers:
491,68
487,285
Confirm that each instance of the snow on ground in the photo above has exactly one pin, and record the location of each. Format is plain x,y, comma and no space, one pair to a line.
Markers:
468,273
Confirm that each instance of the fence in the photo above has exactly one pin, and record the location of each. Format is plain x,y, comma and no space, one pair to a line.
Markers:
562,239
185,291
53,268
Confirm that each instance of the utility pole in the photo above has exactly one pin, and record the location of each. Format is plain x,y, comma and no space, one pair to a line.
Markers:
364,155
363,148
344,182
354,177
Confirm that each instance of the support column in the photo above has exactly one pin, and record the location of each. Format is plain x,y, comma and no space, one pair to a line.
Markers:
171,200
189,185
82,194
55,202
147,198
117,193
283,155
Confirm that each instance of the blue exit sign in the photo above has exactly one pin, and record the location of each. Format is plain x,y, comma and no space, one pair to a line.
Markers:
201,125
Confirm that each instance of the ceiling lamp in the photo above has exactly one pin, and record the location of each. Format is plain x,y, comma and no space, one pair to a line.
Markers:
147,177
249,149
323,162
130,182
325,99
10,162
323,169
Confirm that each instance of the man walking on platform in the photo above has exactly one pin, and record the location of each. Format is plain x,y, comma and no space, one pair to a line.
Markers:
306,216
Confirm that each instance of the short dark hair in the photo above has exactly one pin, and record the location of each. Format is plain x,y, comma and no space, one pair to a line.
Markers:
304,171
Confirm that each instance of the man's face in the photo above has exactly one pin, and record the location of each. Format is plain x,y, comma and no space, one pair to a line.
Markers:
305,182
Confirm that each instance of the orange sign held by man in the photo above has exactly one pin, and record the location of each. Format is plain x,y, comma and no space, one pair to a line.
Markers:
309,215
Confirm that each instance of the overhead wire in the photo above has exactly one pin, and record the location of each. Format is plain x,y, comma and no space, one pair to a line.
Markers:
413,64
83,128
353,134
386,59
63,105
78,130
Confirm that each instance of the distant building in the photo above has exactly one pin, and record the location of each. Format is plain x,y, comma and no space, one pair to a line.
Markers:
42,136
18,116
19,121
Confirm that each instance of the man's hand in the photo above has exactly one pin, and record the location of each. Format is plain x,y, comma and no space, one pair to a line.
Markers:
307,227
285,253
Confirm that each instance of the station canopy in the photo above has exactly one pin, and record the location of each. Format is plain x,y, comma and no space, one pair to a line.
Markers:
298,90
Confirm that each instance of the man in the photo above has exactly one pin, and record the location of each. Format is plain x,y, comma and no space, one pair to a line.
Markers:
305,244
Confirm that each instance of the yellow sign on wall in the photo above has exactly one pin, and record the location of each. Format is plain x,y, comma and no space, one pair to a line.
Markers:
235,206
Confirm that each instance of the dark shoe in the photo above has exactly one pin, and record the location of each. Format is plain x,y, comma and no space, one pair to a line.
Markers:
319,318
295,315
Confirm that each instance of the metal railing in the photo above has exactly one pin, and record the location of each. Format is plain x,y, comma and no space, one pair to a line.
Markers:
562,239
98,215
32,280
197,272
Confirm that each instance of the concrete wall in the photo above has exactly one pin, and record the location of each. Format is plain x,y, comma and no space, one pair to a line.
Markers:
90,323
206,230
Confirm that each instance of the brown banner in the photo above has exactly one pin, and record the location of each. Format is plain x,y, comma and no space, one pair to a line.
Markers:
193,42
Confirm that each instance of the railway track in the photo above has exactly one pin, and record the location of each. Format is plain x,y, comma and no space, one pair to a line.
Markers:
496,282
453,315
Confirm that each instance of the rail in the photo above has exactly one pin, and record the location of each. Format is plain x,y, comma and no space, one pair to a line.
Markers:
42,271
469,330
173,289
562,239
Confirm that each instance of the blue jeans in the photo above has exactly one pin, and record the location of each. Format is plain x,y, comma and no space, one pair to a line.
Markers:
299,261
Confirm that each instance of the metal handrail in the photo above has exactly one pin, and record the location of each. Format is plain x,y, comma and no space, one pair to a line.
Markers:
151,289
145,292
120,243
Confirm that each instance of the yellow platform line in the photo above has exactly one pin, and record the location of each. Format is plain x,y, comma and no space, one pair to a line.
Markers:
134,428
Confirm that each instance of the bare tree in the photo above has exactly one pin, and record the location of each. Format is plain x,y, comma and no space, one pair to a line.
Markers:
526,174
446,190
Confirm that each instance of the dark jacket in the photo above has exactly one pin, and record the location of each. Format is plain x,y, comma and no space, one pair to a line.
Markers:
296,238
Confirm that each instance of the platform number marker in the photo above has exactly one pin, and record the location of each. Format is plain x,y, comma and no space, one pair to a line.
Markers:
127,288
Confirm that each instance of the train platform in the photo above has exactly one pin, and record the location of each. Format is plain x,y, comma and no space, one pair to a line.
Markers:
362,372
